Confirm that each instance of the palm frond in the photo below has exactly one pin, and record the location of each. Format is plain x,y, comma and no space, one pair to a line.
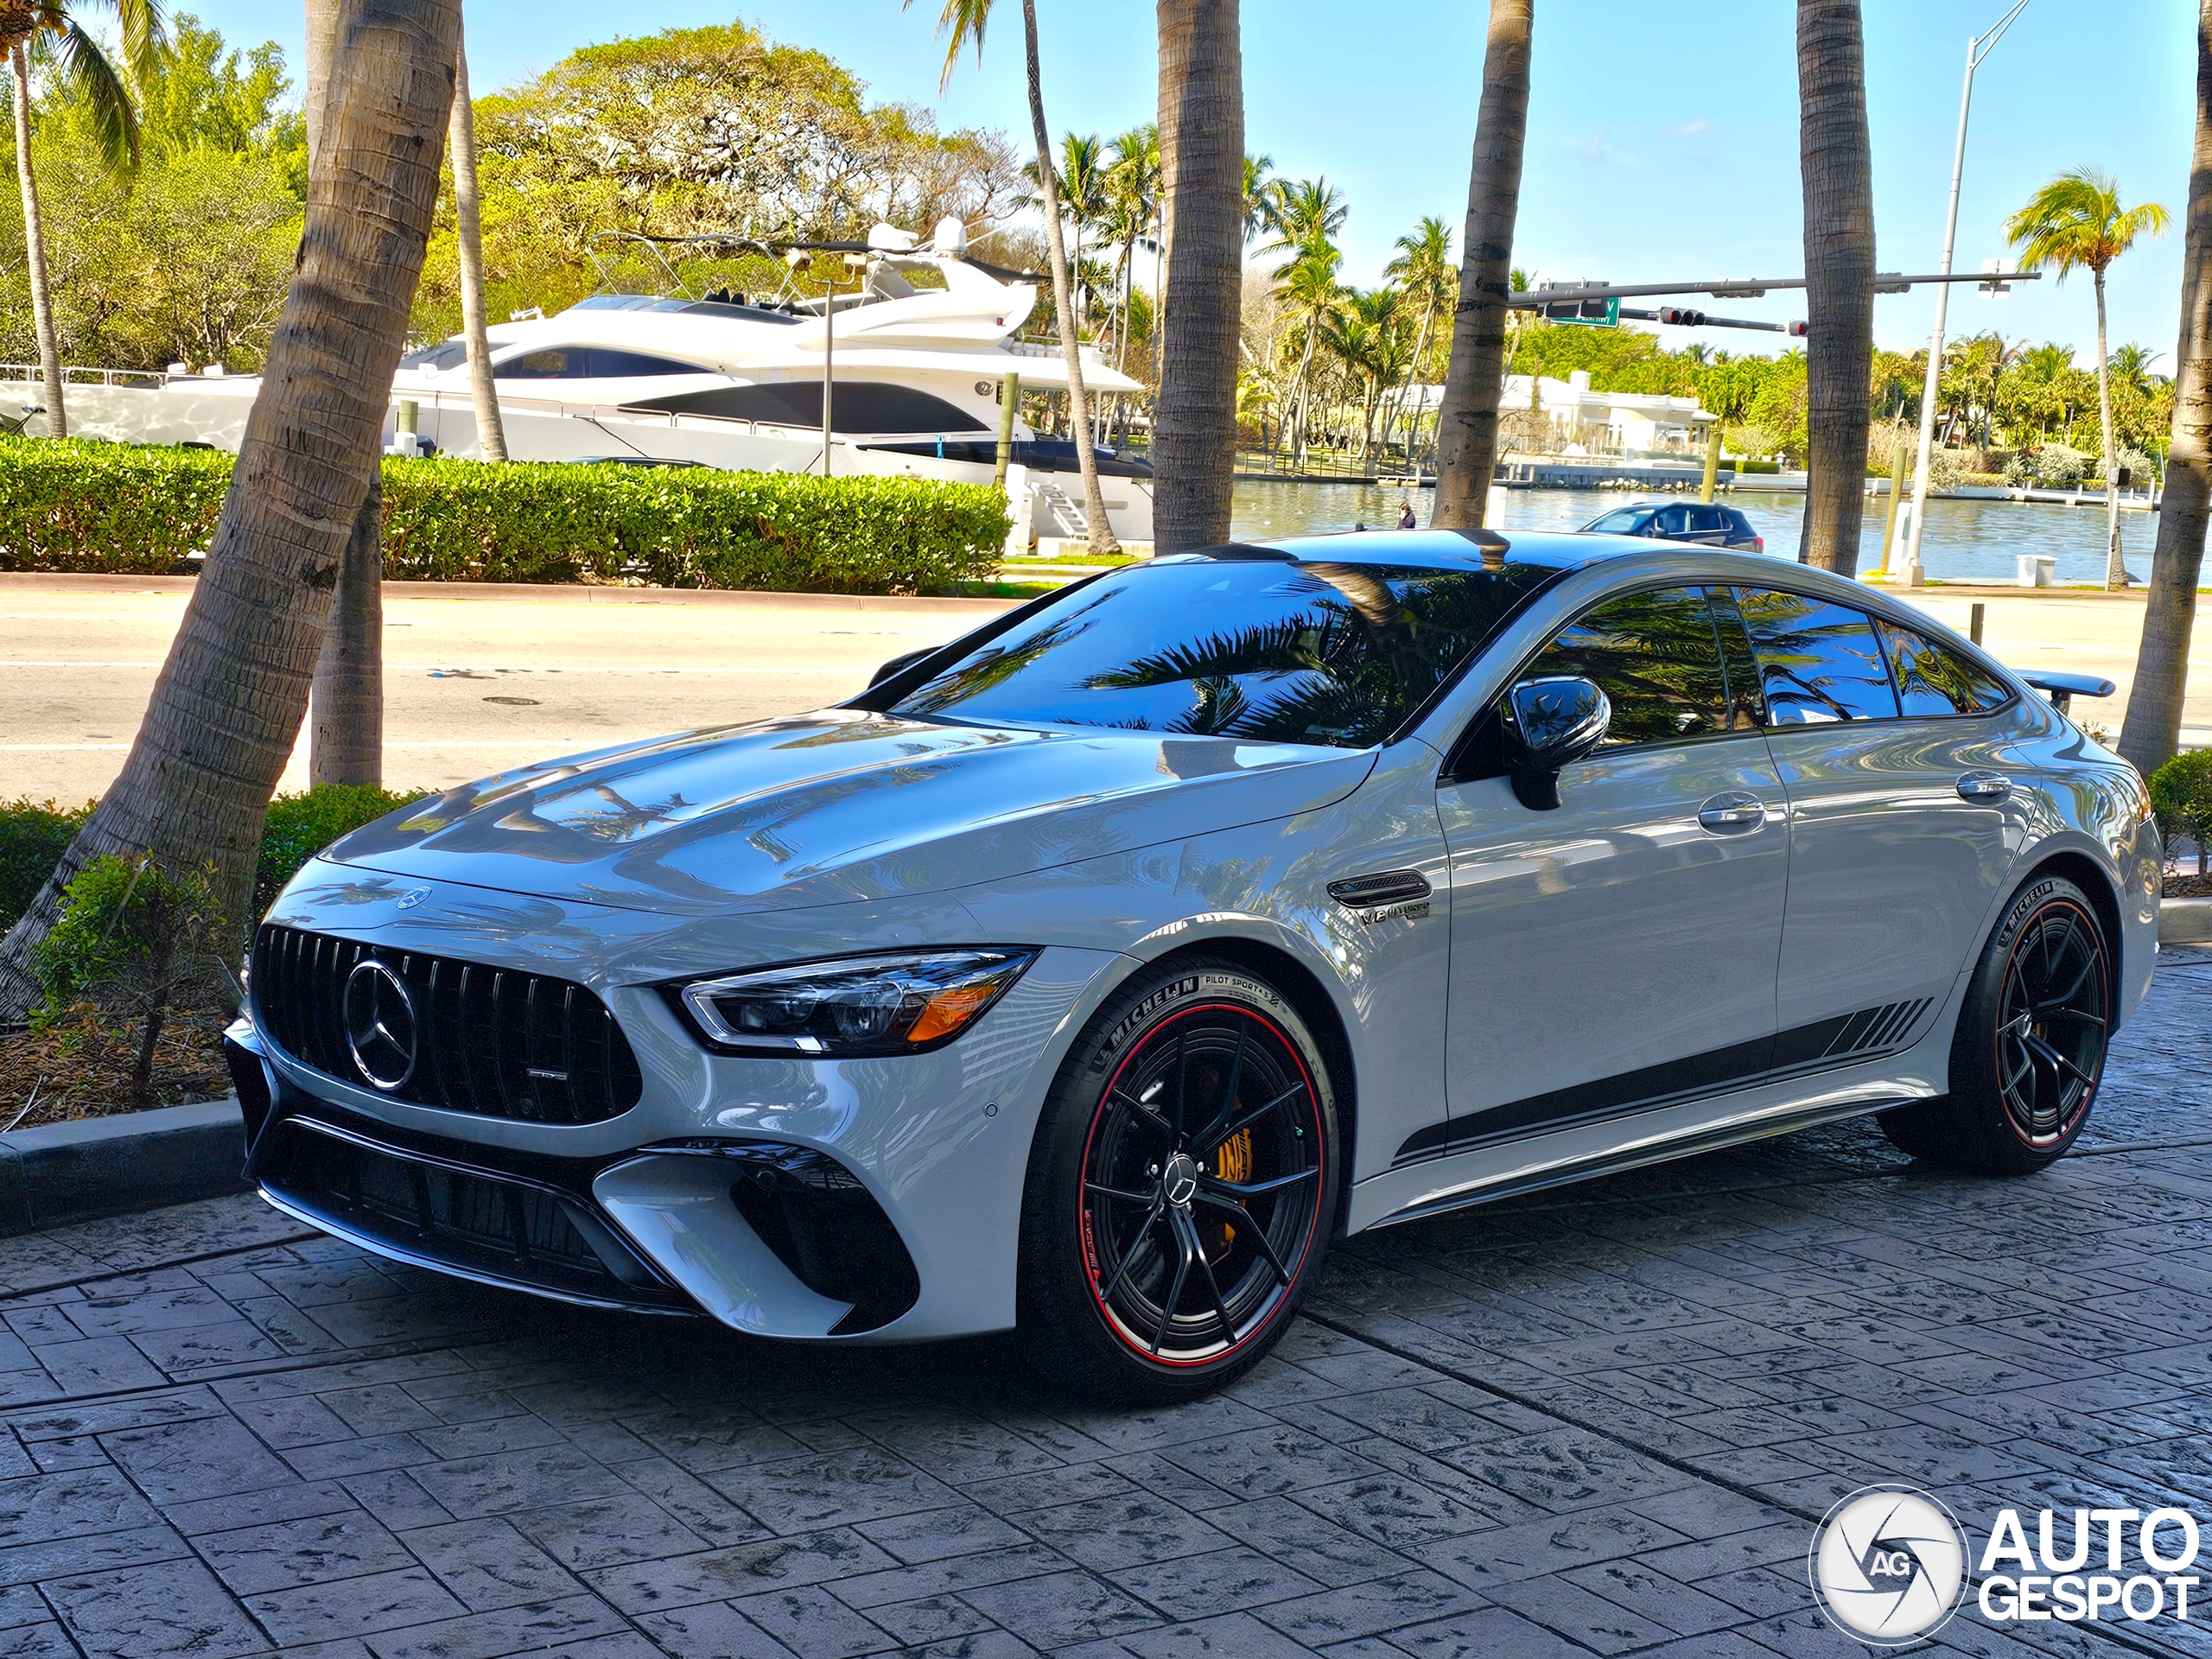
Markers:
145,31
962,21
93,83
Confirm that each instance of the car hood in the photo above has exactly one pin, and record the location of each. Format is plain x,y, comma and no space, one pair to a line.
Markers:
829,808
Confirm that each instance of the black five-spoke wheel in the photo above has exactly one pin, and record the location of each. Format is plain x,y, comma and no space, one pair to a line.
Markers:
1200,1181
2030,1043
1182,1188
2050,1023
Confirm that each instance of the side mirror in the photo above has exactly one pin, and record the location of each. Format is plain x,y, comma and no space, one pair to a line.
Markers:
898,664
1554,722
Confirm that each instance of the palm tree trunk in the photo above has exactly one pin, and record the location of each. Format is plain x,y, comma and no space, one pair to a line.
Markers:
1837,170
1094,503
1413,378
345,698
49,351
1202,193
226,709
1301,410
346,705
460,145
2115,566
1466,444
2151,732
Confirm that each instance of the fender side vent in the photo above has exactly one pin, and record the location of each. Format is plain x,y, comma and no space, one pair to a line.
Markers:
1385,888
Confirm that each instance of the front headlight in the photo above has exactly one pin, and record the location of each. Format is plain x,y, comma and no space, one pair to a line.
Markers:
907,1002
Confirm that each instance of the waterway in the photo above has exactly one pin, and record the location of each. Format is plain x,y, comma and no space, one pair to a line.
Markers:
1965,541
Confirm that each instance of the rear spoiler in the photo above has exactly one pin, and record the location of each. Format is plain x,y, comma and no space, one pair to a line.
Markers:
2062,689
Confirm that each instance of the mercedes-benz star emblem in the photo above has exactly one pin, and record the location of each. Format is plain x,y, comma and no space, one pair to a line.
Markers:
378,1012
413,897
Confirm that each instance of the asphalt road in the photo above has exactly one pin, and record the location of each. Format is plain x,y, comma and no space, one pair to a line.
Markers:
480,678
475,679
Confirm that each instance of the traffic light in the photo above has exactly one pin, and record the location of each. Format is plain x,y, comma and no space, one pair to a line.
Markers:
1799,329
1682,316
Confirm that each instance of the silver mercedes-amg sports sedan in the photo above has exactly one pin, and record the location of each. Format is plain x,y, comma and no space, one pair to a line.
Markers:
1086,977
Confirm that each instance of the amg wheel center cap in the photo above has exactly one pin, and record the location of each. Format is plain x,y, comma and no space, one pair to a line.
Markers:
1179,1180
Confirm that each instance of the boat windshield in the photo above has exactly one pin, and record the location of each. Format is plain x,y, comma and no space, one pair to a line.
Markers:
1265,647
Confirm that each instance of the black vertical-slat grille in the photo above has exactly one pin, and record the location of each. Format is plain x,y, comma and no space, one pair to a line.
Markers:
495,1041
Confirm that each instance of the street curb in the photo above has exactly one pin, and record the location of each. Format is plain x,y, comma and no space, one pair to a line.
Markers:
754,598
93,1166
2185,921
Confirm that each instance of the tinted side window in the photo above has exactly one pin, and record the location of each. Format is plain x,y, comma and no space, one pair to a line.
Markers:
1818,662
857,406
1934,681
1658,660
1747,708
608,364
1706,519
560,363
1672,521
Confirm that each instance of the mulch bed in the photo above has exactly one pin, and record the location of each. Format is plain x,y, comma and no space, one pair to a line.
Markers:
78,1066
2191,886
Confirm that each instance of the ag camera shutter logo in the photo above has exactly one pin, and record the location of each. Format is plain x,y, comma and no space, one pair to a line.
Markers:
1888,1564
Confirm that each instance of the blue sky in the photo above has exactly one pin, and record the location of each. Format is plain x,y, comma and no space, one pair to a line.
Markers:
1663,140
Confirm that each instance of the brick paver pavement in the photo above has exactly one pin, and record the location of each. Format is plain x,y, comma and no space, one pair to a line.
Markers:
1599,1420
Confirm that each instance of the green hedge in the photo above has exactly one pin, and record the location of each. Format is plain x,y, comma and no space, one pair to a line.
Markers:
35,834
90,507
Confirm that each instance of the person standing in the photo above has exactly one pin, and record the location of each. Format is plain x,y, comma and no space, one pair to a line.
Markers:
1406,515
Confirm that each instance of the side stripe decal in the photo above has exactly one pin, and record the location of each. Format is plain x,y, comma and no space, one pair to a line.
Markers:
1843,1039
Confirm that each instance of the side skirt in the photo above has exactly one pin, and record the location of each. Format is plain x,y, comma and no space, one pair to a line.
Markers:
1590,1169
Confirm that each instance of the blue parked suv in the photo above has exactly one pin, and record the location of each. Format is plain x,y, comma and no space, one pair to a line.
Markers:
1681,521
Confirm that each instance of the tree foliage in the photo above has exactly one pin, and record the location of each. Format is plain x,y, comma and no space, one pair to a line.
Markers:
697,131
188,258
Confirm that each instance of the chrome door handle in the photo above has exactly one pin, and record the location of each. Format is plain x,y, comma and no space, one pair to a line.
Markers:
1732,814
1984,786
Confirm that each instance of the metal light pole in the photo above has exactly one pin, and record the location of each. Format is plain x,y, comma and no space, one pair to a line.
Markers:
1978,47
795,258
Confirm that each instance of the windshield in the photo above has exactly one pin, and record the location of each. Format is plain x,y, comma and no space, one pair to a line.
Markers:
1269,649
1621,521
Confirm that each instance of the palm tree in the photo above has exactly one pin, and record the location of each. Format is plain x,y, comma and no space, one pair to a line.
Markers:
460,145
1205,190
1422,270
1082,185
1129,206
2151,731
1368,337
1303,213
227,709
2077,222
2131,366
1308,286
1467,426
964,21
1262,190
93,81
1838,171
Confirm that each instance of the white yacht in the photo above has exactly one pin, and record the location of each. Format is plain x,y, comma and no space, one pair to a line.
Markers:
915,374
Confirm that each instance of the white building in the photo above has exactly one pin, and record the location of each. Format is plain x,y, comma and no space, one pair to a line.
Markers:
1579,421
